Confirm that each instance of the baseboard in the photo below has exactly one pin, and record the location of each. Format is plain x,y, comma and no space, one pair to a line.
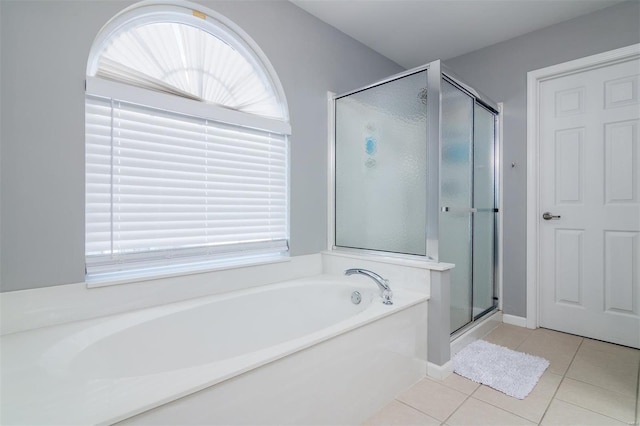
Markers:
514,320
439,372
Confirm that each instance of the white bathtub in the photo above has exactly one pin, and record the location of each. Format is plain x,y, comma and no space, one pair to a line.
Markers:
281,353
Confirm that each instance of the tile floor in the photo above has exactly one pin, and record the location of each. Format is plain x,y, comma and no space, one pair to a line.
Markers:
588,382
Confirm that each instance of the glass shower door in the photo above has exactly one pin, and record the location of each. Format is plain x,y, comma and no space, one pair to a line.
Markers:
456,198
467,218
484,210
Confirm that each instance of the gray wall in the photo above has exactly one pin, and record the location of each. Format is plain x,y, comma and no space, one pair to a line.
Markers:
0,146
44,51
500,71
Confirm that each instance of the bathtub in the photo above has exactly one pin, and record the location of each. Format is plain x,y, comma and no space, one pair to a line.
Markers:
287,353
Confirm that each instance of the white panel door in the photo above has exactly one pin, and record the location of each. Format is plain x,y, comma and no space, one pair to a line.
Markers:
589,180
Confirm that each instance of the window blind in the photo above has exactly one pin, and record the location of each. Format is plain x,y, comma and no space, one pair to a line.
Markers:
187,61
167,188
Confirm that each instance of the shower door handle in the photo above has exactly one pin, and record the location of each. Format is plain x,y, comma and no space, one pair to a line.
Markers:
466,210
458,210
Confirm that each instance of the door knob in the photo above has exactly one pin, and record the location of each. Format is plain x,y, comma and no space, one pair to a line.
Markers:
549,216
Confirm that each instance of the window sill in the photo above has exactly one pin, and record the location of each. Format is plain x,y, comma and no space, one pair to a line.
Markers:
140,275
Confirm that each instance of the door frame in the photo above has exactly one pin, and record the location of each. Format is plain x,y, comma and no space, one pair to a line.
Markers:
534,79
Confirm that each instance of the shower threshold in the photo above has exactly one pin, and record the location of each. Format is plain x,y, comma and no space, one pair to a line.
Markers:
475,330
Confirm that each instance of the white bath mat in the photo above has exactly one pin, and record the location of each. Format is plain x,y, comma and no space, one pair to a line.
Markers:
514,373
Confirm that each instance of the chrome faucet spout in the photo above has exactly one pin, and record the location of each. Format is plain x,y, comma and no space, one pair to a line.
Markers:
383,284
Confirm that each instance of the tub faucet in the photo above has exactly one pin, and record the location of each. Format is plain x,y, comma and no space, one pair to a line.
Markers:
385,290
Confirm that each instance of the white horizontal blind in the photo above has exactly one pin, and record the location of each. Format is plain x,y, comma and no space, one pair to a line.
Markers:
166,188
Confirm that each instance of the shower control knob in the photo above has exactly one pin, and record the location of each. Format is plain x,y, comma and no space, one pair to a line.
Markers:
549,216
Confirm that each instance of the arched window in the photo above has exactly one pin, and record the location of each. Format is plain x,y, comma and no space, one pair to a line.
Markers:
186,145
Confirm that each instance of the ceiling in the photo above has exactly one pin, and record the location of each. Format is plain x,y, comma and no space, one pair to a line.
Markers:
414,32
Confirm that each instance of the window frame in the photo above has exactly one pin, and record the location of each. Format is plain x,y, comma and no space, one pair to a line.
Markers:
196,15
189,13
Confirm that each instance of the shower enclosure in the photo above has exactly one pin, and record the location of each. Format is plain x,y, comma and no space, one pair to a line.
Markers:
416,176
